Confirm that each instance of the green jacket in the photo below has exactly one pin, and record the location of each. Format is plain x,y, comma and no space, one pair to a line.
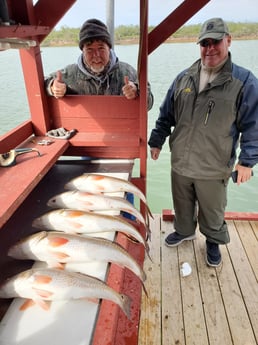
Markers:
207,126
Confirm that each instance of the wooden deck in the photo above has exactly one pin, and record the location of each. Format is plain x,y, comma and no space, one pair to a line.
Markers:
210,306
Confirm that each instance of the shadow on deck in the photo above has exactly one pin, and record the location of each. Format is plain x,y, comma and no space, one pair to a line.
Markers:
210,306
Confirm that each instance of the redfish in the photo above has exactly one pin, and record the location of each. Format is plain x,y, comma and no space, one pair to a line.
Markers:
85,201
42,285
82,222
98,183
56,247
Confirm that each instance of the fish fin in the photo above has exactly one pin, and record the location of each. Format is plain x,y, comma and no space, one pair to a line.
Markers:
60,256
148,254
126,305
43,304
149,211
93,300
55,264
145,290
73,213
57,241
148,232
42,279
97,177
27,304
43,293
74,224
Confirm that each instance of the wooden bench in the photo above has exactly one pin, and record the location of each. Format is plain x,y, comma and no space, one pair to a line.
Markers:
109,129
19,180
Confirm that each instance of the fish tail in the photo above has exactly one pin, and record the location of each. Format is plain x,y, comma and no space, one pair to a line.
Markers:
126,305
149,211
145,290
143,275
148,254
148,233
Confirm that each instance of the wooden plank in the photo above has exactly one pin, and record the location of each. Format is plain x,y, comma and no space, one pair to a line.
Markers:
19,180
14,137
104,139
94,106
102,125
172,313
255,229
193,314
215,316
237,282
250,243
150,320
246,277
115,152
23,31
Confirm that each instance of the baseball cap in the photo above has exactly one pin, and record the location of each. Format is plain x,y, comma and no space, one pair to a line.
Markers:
214,28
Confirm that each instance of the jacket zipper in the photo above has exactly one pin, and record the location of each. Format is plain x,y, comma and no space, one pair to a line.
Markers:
211,105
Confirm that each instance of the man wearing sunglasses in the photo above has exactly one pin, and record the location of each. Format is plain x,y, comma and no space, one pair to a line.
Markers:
209,108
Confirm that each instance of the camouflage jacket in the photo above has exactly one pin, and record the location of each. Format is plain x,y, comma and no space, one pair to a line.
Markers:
80,81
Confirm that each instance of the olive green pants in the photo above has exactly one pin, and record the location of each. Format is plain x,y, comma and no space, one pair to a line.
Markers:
202,201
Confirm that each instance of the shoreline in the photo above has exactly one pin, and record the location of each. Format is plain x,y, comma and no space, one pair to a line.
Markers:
134,41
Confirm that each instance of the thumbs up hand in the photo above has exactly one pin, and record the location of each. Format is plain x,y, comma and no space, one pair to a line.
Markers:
58,88
129,89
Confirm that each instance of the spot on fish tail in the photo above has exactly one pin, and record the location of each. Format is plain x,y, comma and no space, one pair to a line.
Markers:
57,241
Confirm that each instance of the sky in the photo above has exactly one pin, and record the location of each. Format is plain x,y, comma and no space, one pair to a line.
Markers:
127,12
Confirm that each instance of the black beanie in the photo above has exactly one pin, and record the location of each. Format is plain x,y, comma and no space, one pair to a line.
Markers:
94,29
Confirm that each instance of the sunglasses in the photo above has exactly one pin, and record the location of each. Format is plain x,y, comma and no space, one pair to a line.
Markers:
209,42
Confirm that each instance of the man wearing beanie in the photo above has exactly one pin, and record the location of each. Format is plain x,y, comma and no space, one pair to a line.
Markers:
211,106
98,70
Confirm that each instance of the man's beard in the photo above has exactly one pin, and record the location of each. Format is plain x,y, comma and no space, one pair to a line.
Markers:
97,70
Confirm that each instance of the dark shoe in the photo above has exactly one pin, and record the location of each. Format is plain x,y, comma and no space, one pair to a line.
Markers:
174,239
213,255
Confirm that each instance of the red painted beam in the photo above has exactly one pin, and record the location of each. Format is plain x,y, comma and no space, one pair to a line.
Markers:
112,326
173,22
15,136
168,215
49,12
23,31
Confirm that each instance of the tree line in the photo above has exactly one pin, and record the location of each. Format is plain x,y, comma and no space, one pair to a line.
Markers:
66,36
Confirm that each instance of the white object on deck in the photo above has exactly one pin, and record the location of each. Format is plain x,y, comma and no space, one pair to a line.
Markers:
185,269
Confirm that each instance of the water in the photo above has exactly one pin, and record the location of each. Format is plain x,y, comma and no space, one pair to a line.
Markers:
164,64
